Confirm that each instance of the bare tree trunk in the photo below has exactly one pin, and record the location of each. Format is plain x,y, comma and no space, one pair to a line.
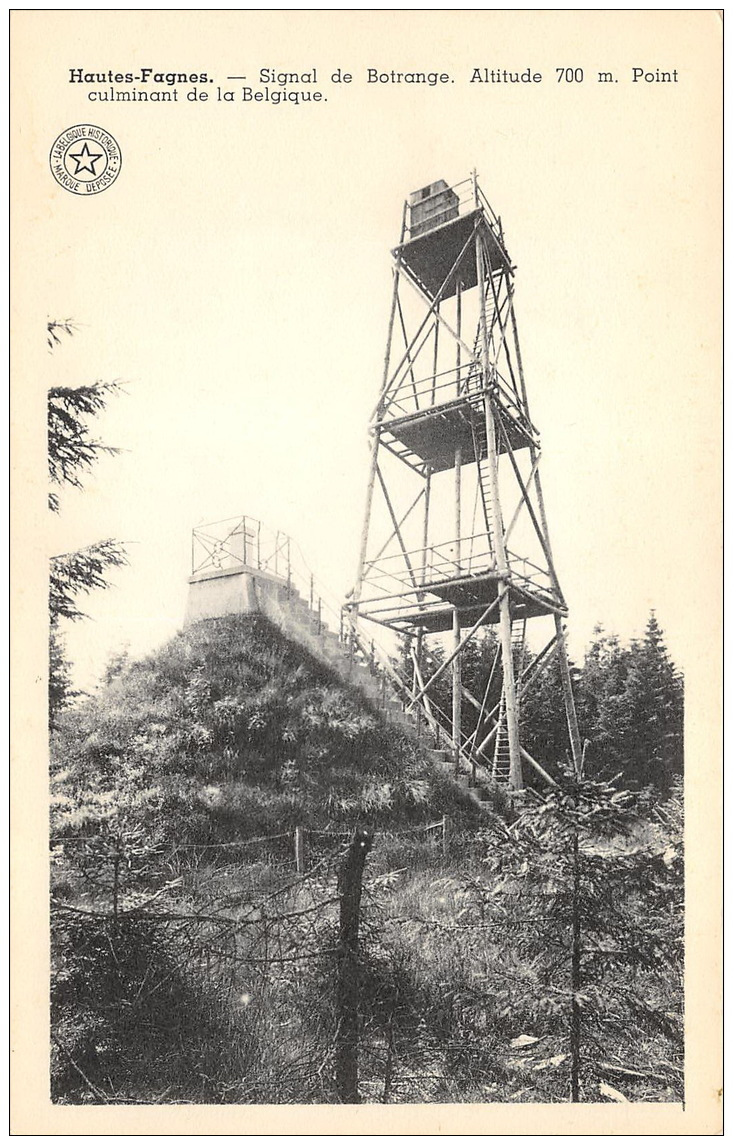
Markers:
347,990
389,1063
575,976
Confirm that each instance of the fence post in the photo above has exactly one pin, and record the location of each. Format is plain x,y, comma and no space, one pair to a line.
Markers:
299,850
446,835
350,875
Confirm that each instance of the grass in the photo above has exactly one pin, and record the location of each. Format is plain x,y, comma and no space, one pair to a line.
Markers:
220,988
230,732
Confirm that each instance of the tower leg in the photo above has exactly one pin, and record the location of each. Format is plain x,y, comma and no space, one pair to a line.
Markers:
567,691
576,748
505,618
562,656
365,528
457,692
510,692
456,665
375,445
456,669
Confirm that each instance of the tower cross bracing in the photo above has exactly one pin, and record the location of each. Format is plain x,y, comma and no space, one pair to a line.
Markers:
455,533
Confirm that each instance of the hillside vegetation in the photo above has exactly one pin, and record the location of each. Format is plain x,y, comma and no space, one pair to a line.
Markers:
233,731
537,955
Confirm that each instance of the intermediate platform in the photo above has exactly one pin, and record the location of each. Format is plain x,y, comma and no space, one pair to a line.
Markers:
430,436
463,577
433,611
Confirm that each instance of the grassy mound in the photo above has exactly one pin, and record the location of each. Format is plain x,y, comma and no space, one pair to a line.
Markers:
233,731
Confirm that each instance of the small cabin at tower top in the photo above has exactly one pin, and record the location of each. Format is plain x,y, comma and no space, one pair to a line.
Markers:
431,206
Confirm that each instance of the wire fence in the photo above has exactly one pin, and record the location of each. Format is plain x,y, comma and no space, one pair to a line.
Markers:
263,931
312,961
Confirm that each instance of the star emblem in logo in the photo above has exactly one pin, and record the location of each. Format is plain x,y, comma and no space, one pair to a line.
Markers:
85,160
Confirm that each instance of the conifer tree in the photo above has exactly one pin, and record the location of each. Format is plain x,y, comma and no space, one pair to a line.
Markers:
594,929
656,709
72,452
543,722
603,704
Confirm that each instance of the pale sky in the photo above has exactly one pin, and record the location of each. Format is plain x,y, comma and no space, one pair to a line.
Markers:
236,277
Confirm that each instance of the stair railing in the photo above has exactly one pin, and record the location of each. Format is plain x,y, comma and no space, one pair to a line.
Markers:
303,585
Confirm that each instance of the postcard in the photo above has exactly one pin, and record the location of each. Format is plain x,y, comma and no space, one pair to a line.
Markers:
366,570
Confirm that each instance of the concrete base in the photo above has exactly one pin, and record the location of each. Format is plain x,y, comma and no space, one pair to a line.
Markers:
233,591
248,591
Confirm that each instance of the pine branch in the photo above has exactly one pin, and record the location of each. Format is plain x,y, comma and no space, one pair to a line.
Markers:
72,451
74,573
55,327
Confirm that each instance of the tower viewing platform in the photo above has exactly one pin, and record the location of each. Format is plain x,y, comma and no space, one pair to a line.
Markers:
439,223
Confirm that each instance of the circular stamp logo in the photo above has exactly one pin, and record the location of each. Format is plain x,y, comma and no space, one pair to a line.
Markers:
85,159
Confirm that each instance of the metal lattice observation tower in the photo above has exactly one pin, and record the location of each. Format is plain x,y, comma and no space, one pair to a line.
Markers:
455,534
